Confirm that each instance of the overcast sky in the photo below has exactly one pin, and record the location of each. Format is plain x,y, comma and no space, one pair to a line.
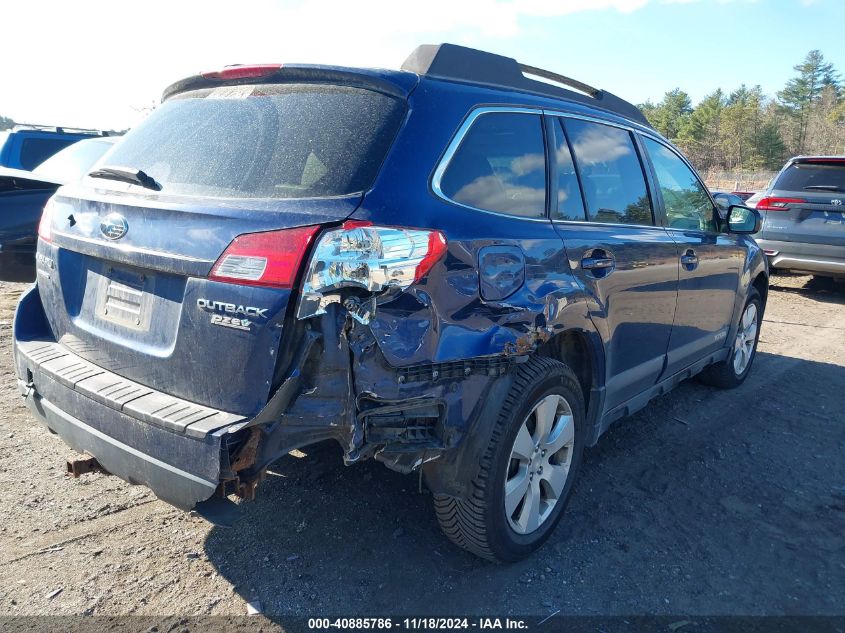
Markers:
99,63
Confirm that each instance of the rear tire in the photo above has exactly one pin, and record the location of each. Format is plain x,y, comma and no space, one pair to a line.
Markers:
528,467
733,371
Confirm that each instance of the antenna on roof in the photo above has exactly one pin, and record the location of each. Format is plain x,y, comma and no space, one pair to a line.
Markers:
450,61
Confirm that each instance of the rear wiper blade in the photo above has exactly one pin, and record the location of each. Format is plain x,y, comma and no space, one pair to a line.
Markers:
825,187
127,174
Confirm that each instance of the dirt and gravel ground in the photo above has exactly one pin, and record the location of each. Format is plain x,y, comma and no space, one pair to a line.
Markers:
707,502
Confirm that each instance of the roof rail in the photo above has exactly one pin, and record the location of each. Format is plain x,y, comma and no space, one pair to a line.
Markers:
450,61
59,129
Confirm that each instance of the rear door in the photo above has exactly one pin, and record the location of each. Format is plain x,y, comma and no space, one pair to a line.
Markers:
807,206
709,263
627,263
188,287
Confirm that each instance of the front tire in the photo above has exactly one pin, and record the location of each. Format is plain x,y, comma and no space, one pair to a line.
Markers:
525,476
733,371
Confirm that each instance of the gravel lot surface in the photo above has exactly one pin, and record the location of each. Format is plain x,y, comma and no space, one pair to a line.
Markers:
706,502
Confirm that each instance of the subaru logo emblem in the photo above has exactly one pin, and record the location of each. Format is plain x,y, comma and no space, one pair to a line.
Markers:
836,202
113,226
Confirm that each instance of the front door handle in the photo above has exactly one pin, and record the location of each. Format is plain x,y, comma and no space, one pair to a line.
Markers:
689,260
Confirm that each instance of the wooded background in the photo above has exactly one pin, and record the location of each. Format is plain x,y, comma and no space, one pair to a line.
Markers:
742,138
739,140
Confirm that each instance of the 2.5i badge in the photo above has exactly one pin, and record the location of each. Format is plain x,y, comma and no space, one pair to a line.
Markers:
234,315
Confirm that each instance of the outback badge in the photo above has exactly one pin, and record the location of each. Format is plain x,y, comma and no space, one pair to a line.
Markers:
227,320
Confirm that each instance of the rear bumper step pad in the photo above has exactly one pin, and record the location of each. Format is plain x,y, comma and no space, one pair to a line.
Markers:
143,436
56,362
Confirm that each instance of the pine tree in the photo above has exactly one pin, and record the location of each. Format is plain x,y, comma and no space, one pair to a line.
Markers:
742,119
803,91
669,115
700,131
769,146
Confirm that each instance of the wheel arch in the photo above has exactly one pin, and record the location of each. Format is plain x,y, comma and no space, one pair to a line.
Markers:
761,285
583,353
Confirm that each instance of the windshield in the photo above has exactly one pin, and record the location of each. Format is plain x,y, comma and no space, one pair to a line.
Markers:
824,176
73,162
264,141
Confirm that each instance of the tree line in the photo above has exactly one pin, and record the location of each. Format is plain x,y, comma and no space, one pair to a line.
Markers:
745,130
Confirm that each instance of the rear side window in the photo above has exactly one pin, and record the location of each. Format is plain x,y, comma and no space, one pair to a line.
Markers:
264,141
35,151
500,166
687,204
813,177
611,173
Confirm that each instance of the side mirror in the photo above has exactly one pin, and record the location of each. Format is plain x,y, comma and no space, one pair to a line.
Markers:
744,220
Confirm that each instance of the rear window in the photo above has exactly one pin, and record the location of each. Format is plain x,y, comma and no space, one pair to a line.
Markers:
264,141
818,176
35,151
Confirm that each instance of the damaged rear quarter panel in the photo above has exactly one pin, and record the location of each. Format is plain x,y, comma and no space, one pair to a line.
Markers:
519,265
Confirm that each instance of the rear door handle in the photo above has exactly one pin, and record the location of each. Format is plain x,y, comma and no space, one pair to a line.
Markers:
592,263
689,260
599,262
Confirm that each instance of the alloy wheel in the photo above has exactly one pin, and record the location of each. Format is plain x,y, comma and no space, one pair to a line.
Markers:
746,336
539,464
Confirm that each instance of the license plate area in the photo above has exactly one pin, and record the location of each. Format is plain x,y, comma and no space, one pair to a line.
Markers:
125,298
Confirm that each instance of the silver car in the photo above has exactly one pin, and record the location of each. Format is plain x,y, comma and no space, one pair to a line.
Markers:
803,213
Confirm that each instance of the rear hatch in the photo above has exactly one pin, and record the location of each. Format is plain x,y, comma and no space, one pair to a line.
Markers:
807,203
127,273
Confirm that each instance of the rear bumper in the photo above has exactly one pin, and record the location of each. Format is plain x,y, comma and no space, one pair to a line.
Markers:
174,485
803,257
175,448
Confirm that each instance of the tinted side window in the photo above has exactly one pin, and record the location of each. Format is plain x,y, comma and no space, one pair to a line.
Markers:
35,151
500,166
570,204
611,173
687,204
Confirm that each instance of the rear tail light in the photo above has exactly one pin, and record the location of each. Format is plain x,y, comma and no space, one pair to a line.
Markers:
264,259
45,224
252,71
777,204
372,258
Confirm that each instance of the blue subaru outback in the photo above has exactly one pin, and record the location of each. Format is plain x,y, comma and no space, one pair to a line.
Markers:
468,269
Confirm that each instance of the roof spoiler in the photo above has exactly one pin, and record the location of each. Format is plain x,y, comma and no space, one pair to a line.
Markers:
450,61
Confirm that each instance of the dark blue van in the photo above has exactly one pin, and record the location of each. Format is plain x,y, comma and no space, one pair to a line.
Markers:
468,268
